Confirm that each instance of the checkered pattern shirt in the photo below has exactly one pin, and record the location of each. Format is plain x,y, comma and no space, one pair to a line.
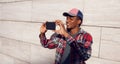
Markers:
80,46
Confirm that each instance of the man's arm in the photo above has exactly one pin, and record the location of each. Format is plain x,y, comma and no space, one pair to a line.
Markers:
47,43
82,47
86,40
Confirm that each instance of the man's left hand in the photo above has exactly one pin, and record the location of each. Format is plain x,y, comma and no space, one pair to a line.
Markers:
62,30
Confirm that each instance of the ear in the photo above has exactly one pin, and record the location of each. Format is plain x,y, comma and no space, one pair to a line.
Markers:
79,22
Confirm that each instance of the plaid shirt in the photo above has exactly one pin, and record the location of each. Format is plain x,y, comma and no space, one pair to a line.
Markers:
80,46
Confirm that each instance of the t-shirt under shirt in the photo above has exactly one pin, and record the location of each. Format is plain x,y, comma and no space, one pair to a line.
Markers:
66,54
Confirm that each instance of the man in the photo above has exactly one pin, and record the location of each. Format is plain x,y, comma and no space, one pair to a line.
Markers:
73,44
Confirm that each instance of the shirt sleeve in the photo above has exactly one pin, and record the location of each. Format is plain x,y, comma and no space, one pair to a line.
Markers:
48,43
79,46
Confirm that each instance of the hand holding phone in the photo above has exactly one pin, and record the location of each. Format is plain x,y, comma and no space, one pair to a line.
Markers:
50,25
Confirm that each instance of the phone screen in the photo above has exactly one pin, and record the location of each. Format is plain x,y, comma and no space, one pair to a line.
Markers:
50,25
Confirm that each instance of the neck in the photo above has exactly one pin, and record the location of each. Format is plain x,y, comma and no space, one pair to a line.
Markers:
74,31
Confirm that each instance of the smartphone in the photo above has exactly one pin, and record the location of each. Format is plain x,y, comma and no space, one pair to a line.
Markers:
50,25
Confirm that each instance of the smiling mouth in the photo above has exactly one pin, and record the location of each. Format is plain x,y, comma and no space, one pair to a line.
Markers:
67,24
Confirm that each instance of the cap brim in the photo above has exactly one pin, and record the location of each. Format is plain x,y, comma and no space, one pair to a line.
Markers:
68,14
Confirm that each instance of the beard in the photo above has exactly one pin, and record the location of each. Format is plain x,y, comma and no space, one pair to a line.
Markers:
69,29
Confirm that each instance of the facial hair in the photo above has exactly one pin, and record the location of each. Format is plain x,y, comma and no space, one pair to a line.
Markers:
68,29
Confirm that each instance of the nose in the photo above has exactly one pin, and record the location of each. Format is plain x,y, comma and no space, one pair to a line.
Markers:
67,21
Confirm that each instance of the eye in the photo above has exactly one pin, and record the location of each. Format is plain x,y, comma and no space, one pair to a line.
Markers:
71,18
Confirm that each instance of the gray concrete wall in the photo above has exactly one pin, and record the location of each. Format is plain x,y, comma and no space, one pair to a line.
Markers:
20,21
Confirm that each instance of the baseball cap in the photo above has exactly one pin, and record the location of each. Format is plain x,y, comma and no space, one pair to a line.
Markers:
74,12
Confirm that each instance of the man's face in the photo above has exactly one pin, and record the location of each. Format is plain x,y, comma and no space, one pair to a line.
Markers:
72,22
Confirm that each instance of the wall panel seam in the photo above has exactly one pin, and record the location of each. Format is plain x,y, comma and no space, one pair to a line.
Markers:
14,1
13,57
